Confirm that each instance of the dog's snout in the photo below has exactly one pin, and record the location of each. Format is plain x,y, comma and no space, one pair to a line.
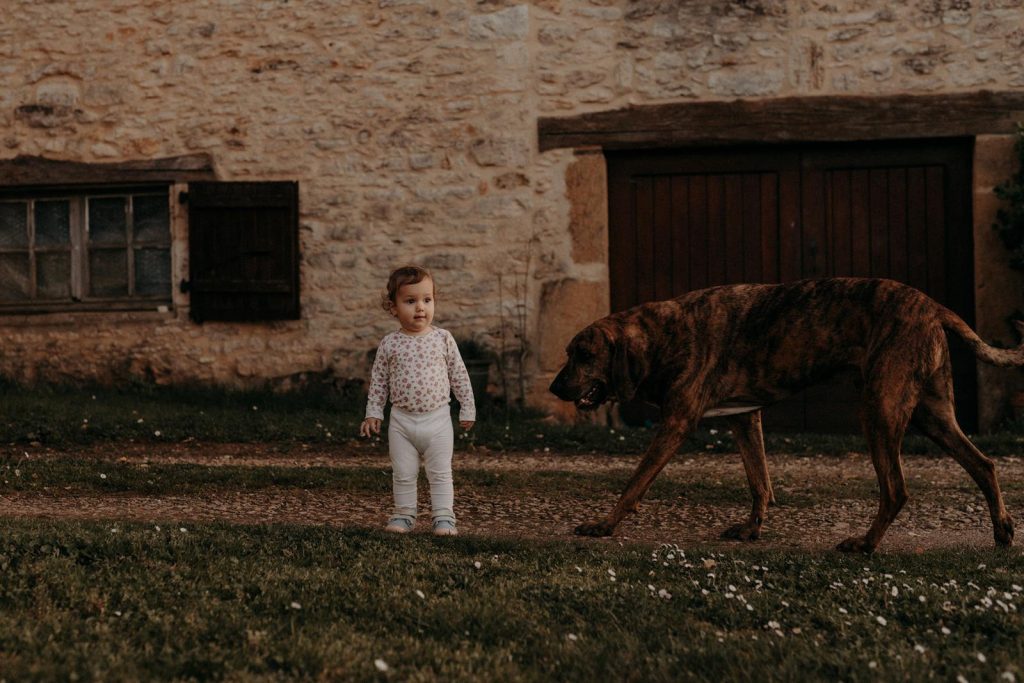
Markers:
558,387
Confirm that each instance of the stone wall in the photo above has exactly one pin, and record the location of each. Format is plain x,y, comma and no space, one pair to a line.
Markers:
411,128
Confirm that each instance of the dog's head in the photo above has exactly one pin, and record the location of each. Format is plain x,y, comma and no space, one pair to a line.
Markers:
606,359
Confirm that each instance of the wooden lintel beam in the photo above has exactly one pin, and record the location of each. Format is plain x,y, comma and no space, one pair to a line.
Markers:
791,119
25,171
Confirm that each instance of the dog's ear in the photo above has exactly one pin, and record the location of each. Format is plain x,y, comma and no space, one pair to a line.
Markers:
629,362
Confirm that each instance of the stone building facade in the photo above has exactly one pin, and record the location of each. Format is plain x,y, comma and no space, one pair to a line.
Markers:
411,128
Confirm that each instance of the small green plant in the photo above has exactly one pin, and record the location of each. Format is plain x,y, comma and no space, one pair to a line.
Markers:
1010,217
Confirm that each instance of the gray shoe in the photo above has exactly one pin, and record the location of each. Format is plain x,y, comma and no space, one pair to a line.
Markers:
445,527
399,525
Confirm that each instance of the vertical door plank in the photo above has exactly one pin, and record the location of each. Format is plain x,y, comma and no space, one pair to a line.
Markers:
733,228
680,225
814,237
769,216
917,229
644,221
663,237
898,224
698,232
841,227
879,212
860,224
716,230
790,261
750,230
935,219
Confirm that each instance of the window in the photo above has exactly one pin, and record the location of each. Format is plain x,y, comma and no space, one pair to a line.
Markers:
109,248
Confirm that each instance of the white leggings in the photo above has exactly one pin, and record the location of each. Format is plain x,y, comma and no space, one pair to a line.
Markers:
411,435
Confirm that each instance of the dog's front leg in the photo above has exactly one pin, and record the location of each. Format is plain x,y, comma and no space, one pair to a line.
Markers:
664,445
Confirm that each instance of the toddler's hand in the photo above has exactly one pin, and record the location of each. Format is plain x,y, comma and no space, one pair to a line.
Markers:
466,424
369,427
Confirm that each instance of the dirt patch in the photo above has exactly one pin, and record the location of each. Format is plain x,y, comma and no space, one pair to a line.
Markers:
957,517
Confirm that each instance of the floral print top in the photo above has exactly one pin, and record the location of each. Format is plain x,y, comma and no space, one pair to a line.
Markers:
419,372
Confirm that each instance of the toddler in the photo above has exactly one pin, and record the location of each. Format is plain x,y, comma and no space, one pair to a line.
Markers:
418,366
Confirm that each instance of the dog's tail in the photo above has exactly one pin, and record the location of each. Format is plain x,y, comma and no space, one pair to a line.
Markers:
1006,358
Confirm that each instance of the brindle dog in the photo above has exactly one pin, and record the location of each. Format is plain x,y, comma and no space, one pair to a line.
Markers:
732,350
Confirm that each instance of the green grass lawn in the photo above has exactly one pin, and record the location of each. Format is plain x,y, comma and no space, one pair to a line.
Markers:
110,601
65,417
114,601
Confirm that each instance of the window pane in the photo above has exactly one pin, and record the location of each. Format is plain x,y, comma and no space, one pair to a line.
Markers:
107,222
13,224
152,272
14,284
152,218
53,223
108,272
53,274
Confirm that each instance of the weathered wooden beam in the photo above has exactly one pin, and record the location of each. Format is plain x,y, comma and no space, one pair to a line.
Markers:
27,171
791,119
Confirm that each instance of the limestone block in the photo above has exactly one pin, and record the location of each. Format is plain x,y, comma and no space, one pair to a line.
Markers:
58,93
104,150
557,34
999,288
508,181
73,70
566,307
878,69
499,152
995,161
509,24
499,207
586,186
746,83
45,115
443,261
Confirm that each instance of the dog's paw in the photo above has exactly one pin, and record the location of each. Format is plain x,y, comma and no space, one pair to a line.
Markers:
856,544
602,528
747,531
1004,533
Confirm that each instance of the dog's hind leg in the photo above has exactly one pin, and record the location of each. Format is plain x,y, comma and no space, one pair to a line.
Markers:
746,429
887,405
935,417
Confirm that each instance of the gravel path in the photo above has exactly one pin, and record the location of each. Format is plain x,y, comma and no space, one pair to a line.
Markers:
945,508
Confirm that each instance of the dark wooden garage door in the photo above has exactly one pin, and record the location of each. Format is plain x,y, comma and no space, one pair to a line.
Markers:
681,221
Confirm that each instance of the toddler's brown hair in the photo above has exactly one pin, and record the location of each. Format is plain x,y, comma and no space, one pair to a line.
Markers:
406,275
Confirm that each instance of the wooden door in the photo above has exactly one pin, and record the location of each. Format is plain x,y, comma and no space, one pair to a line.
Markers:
681,221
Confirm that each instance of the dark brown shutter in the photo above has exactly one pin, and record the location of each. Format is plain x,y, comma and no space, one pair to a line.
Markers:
244,250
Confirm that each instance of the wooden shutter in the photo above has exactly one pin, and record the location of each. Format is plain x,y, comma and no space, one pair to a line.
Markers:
244,250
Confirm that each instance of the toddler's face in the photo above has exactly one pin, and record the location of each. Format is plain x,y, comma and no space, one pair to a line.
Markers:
414,306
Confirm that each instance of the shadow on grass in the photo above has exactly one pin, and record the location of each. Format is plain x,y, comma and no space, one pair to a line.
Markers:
65,416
